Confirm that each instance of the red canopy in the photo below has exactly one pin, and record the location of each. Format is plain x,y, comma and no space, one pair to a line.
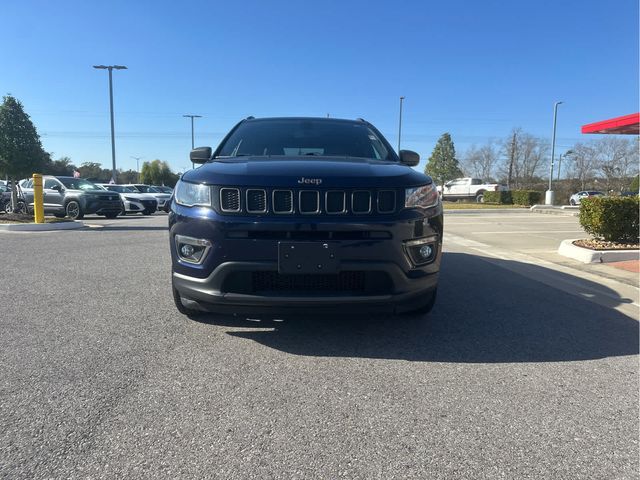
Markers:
626,125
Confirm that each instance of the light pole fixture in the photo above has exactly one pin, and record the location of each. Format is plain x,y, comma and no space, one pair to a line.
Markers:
565,155
111,68
400,125
137,159
192,137
549,194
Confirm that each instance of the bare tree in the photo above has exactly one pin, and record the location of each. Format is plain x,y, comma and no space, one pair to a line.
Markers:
480,162
582,163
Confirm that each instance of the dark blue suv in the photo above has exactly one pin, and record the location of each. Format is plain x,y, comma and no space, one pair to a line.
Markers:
304,215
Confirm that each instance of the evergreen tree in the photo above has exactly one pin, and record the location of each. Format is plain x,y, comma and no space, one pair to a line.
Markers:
443,164
21,152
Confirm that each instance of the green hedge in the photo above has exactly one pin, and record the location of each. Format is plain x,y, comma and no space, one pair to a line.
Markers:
502,198
513,197
526,197
614,219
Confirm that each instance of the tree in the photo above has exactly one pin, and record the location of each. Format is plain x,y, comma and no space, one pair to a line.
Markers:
21,152
480,162
443,165
158,172
582,163
93,171
62,166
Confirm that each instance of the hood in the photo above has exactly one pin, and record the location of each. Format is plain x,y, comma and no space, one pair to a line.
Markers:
139,196
292,172
96,193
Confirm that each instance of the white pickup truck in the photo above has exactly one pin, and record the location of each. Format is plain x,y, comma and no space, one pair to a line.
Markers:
467,189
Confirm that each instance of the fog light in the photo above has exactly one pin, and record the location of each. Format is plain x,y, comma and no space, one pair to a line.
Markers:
188,251
192,250
426,251
421,251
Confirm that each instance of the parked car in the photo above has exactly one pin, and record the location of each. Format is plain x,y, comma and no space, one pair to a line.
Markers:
576,198
132,200
467,189
307,214
160,196
74,198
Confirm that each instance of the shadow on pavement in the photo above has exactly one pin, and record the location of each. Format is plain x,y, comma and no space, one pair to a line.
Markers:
484,314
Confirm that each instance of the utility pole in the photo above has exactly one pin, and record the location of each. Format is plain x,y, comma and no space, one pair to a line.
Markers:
549,194
512,159
137,159
192,137
400,125
113,141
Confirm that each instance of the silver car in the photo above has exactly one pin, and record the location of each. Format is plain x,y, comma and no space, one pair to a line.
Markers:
576,198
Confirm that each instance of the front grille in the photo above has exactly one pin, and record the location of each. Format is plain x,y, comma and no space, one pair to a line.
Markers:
256,201
149,203
230,199
306,201
344,282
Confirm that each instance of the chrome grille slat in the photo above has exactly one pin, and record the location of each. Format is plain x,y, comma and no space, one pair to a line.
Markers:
309,202
361,202
335,202
256,200
386,201
282,201
230,200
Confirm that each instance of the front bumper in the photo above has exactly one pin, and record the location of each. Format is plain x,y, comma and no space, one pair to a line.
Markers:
245,250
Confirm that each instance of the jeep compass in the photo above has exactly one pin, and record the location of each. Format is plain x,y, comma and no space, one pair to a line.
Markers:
304,215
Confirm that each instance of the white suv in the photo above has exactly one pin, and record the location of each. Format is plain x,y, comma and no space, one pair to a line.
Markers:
133,201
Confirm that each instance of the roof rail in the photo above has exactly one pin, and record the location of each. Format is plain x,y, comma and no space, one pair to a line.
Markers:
361,120
250,117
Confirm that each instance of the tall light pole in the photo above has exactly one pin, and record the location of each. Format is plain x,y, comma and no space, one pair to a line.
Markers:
137,159
400,125
113,140
192,137
549,196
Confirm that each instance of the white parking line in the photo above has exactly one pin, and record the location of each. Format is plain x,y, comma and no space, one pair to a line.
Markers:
527,232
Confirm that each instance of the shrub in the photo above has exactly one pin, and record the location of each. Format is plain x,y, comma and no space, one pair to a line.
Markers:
502,198
635,184
526,197
614,219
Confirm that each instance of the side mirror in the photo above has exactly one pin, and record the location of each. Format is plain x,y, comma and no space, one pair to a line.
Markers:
56,187
200,155
167,205
409,158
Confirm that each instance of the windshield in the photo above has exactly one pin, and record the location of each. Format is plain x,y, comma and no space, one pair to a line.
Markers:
144,188
305,137
78,184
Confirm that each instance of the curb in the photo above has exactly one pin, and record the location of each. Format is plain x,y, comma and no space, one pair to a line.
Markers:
586,255
40,227
566,210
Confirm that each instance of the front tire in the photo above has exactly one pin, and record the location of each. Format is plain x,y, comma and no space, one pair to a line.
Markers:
572,203
74,210
480,197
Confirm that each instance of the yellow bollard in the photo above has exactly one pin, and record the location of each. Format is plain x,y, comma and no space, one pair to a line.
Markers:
38,198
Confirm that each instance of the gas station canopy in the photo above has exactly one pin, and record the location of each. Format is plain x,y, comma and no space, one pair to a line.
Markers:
625,125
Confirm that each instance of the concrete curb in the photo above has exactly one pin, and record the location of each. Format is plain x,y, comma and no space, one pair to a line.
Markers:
566,210
586,255
40,227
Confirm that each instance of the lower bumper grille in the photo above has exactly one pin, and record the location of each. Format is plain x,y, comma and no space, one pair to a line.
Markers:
345,282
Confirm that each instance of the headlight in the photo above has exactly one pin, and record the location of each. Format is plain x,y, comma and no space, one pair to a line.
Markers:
191,194
425,196
131,199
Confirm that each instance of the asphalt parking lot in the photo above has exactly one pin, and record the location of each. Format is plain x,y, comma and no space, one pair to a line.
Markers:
521,371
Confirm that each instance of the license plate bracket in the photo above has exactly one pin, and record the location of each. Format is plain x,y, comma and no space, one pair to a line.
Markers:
307,258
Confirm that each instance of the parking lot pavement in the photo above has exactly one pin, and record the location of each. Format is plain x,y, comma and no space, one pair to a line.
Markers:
508,377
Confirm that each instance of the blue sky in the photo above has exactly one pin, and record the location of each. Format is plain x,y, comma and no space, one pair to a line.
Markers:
473,68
